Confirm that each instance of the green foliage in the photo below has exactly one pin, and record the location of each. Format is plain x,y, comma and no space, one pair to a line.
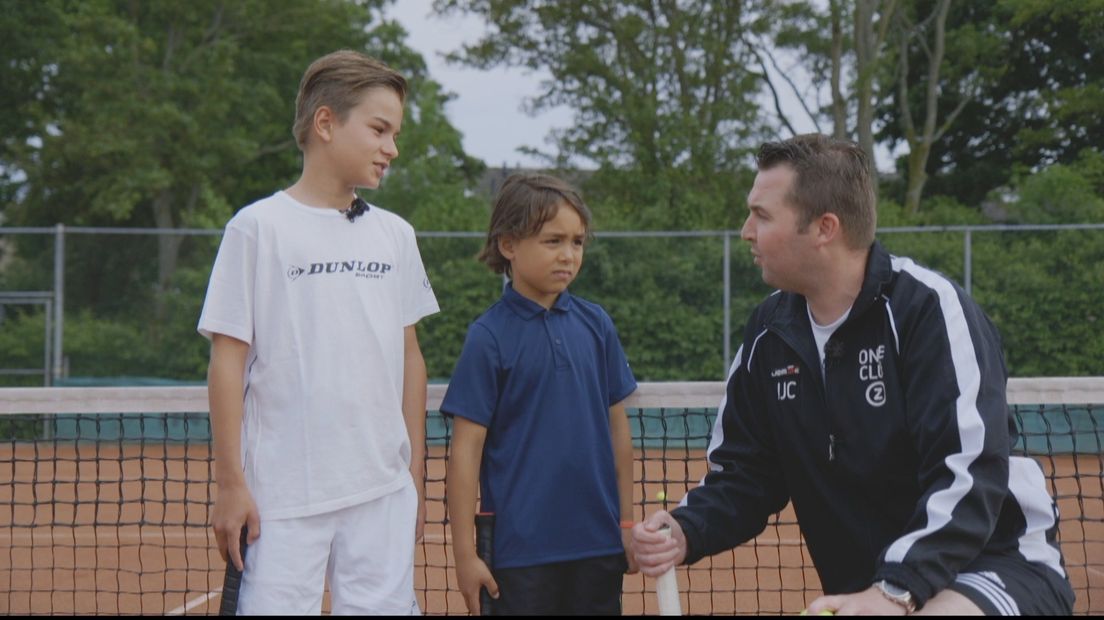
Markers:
464,289
175,114
23,342
664,296
942,251
1041,289
1060,194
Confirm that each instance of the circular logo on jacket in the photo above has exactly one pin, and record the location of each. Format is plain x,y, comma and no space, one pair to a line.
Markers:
876,394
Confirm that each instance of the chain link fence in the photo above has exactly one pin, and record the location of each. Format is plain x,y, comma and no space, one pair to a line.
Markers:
123,302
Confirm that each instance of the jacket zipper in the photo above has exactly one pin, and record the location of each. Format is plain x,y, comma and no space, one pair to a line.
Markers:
833,443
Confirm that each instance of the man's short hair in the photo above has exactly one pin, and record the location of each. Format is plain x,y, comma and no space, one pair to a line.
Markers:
337,80
831,176
523,205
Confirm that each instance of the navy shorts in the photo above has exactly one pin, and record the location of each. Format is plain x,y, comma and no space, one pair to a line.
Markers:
1004,585
589,587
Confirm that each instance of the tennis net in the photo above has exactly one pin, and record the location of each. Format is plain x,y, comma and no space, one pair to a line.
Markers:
106,493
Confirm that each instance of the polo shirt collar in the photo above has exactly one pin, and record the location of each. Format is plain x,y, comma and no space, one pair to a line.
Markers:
527,308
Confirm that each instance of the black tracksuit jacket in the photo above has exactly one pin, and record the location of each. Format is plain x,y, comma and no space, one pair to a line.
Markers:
897,462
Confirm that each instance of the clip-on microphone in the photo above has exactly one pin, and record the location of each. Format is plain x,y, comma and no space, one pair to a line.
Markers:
356,209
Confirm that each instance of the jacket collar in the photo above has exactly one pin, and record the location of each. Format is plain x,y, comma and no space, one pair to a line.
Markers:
527,308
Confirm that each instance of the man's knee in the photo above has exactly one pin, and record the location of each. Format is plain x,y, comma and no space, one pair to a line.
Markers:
950,603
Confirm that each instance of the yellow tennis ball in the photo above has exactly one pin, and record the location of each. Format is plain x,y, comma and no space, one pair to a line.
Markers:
825,612
660,495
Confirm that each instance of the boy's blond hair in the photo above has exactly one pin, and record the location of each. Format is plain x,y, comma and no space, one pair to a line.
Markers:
337,81
521,208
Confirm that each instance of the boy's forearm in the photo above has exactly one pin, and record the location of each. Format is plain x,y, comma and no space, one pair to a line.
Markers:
224,392
623,458
462,477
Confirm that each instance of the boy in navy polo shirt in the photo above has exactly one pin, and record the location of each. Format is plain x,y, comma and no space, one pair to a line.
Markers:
536,399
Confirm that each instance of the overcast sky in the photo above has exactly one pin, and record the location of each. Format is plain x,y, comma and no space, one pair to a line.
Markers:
487,107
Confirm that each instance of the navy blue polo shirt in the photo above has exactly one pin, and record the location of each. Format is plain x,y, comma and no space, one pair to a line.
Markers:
542,383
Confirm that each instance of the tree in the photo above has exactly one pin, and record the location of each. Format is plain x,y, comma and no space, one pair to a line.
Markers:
26,73
665,95
159,105
1037,96
871,29
850,63
175,114
921,138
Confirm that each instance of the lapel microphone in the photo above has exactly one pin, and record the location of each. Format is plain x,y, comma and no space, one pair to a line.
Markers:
356,209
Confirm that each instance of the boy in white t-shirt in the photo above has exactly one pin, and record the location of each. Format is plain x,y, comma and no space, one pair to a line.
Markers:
317,384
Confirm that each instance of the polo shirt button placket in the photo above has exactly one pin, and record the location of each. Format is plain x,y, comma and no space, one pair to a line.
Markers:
558,352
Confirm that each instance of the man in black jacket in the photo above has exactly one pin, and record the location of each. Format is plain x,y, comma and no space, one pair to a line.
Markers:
870,391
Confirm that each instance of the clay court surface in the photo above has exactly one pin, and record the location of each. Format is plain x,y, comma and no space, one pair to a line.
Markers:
113,529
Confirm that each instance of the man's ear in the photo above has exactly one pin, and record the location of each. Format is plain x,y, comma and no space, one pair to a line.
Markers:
828,228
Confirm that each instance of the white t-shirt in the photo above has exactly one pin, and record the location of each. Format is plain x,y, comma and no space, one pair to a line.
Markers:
322,302
821,333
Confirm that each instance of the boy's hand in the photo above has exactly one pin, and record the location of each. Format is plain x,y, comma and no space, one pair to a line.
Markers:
656,552
626,541
419,527
472,574
234,508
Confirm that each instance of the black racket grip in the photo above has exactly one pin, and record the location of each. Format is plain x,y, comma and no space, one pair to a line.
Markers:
484,548
231,583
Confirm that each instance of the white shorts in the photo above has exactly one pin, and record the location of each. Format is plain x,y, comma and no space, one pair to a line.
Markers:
366,551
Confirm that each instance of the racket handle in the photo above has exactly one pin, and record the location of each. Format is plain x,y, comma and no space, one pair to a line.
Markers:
667,589
231,583
484,548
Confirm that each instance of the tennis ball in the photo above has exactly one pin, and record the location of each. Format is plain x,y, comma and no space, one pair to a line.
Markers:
660,495
826,612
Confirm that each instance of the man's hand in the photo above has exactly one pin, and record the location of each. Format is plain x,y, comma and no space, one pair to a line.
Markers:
471,575
869,602
234,508
655,552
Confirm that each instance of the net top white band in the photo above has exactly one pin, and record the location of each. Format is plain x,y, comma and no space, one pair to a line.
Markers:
690,394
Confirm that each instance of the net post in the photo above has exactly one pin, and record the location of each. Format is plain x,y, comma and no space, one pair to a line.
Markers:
59,298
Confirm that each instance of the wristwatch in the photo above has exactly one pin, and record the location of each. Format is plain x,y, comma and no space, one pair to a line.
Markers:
897,594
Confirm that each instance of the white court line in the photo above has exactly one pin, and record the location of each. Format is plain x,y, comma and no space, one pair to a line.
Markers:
190,605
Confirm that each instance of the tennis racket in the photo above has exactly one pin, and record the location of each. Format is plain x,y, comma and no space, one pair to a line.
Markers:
231,583
484,548
667,589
